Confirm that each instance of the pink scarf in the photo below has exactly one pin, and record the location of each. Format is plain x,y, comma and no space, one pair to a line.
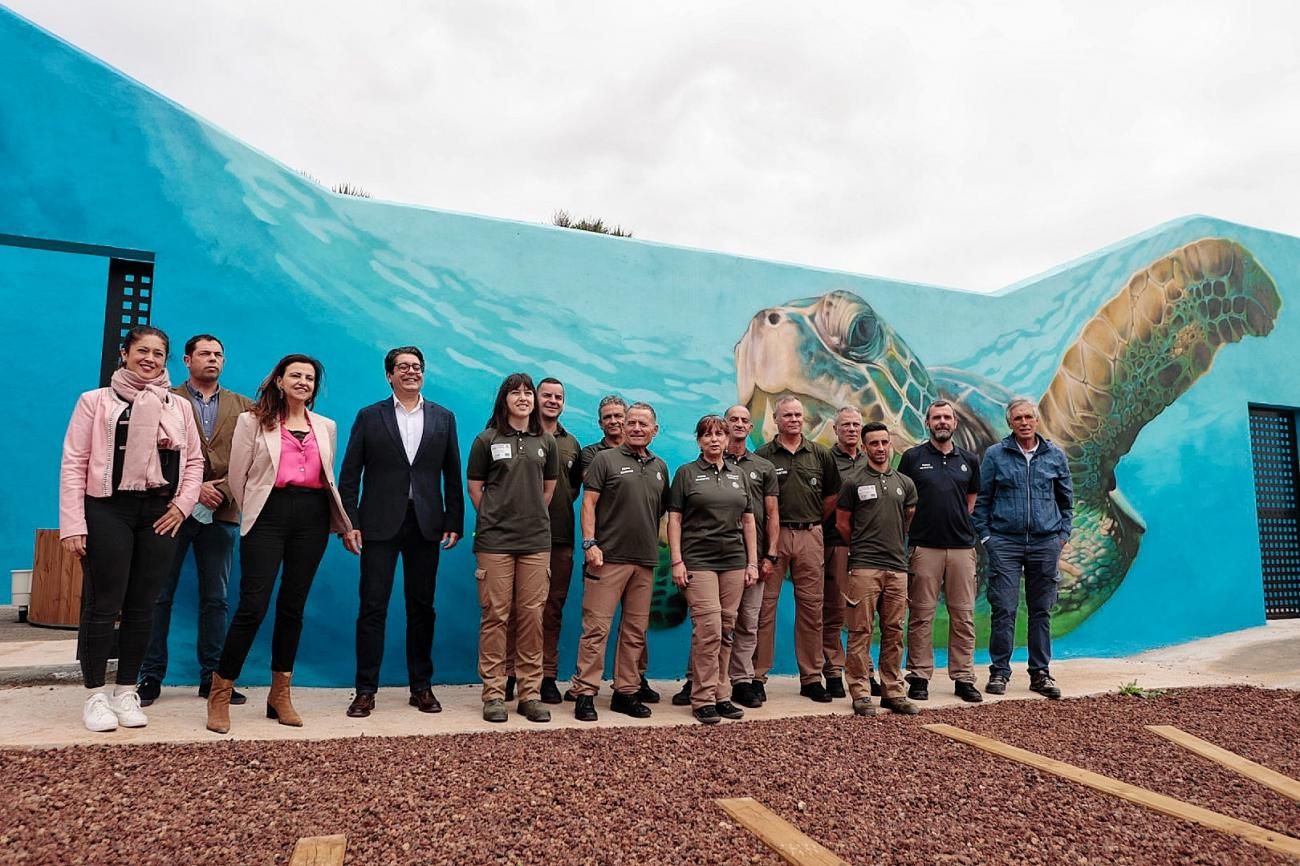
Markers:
148,429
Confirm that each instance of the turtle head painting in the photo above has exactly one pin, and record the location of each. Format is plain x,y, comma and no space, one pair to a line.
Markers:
1144,348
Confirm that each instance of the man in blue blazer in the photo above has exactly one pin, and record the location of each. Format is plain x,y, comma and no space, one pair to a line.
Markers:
411,501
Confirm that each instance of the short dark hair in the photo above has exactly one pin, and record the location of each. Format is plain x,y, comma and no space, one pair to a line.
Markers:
873,427
610,400
936,404
194,341
390,360
550,380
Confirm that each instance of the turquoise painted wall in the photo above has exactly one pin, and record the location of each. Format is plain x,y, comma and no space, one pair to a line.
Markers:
273,263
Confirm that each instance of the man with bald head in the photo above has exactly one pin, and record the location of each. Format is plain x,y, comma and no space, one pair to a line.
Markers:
809,483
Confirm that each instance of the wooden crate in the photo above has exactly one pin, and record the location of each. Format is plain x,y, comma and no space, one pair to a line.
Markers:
56,583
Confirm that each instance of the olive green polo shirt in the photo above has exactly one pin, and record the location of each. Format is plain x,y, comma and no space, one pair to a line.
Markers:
760,479
850,468
712,502
633,493
588,454
566,486
512,515
879,503
806,477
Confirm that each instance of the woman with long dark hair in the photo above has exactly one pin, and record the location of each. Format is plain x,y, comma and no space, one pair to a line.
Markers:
511,475
711,538
282,478
132,469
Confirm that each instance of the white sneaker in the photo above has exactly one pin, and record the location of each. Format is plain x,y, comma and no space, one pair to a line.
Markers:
97,715
126,707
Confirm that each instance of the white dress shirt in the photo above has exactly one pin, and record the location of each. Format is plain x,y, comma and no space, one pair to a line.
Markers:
411,426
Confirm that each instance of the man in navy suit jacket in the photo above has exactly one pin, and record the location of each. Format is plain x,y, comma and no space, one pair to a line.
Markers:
411,501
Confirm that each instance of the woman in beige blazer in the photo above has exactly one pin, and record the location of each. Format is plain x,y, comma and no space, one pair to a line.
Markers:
282,479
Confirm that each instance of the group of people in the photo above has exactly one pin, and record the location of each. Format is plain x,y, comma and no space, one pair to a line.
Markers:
150,471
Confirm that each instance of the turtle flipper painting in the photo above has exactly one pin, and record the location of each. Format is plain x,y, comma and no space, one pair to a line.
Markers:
1144,348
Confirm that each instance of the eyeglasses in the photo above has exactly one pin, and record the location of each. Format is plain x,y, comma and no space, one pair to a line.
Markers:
404,367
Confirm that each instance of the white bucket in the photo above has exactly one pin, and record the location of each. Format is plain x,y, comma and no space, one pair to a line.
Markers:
21,582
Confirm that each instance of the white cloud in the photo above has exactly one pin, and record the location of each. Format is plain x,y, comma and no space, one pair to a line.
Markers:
963,144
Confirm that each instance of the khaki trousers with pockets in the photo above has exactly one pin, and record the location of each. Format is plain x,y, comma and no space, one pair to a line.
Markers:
746,640
713,598
866,592
552,615
953,571
799,551
603,589
505,581
837,569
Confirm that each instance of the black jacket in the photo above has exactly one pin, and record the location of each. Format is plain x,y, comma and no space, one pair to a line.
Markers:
434,479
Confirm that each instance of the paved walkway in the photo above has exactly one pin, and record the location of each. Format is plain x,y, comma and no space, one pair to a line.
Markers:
50,715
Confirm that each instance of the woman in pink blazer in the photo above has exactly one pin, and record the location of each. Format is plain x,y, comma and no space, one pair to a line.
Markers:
282,478
132,468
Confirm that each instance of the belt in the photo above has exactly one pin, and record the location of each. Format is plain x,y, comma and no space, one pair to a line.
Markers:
800,525
152,493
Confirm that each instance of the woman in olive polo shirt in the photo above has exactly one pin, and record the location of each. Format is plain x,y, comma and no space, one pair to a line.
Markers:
714,557
511,472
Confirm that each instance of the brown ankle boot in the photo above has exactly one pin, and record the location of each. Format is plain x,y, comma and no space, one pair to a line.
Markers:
278,705
219,704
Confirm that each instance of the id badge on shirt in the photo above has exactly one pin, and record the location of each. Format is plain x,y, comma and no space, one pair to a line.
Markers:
867,491
502,451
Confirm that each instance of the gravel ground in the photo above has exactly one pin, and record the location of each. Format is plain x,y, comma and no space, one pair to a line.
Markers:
873,790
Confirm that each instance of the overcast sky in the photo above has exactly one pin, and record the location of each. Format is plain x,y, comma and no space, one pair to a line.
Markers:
965,144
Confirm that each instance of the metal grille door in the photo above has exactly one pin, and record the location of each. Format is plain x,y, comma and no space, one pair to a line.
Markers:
129,301
1273,446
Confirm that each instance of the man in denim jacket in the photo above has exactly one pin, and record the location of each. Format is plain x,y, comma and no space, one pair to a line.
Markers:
1023,517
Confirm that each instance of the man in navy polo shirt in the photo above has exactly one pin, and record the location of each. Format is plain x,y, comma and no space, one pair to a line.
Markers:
947,479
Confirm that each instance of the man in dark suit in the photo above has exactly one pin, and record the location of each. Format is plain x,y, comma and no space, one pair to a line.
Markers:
210,530
406,448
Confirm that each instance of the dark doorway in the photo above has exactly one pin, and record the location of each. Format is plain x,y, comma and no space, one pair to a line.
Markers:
1273,449
128,303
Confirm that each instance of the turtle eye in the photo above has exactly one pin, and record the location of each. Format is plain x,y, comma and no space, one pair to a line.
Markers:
862,340
773,318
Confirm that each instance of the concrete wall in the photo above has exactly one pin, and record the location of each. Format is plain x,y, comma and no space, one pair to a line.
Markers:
273,263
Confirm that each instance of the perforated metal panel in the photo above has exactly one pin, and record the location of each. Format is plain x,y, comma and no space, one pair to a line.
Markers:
1273,447
129,302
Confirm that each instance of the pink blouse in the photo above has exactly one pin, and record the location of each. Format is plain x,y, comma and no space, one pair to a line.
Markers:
300,464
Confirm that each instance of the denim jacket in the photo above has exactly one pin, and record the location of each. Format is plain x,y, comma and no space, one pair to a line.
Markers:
1033,499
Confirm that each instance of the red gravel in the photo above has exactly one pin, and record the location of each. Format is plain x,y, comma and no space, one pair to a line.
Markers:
873,790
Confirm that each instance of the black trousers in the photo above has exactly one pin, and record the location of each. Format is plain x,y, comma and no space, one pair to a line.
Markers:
419,574
292,530
123,570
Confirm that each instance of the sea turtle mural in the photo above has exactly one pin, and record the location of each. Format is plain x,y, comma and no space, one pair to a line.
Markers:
1144,348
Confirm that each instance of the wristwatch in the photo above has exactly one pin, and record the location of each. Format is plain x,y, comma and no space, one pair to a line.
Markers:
588,543
772,559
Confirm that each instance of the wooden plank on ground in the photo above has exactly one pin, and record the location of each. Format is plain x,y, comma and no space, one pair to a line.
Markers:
779,834
1159,802
1284,785
319,851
